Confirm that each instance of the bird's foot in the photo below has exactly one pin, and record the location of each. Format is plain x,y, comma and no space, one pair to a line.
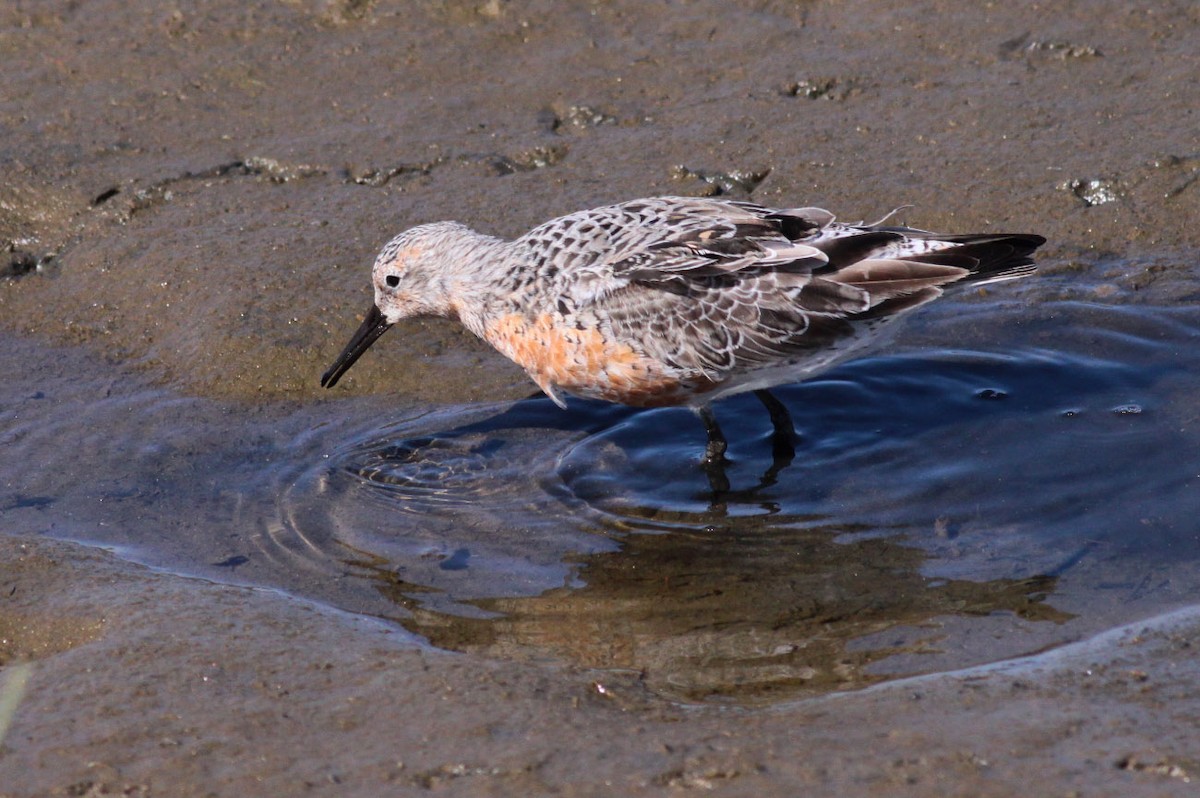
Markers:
714,453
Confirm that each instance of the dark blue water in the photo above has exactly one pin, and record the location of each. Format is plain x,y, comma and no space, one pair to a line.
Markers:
943,507
1005,480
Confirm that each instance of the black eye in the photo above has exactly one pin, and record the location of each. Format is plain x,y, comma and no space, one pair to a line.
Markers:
392,280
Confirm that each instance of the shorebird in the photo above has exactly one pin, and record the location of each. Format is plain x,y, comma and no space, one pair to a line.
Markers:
677,300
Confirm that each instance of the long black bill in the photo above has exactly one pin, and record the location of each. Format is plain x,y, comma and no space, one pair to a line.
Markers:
373,326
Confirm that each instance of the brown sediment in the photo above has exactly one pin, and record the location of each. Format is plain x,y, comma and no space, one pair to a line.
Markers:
198,192
209,227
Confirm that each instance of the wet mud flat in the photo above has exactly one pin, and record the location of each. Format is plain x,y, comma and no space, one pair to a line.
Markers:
977,574
208,688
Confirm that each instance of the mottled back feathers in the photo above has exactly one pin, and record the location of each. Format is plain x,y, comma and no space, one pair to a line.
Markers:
692,298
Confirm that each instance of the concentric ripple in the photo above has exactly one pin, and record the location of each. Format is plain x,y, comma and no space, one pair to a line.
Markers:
427,474
941,509
885,440
945,506
447,508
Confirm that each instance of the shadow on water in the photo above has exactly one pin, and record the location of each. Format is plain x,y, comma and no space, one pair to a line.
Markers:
941,510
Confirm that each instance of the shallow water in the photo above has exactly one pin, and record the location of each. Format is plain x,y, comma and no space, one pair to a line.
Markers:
945,507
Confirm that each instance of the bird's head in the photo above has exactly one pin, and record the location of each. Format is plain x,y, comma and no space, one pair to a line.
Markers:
410,279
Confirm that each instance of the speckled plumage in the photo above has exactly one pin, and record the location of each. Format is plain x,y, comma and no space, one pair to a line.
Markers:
675,300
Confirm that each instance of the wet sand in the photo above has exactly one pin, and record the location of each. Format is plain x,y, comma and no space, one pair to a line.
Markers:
144,684
192,198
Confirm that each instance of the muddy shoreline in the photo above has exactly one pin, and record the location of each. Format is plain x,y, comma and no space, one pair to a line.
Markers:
217,689
190,201
215,222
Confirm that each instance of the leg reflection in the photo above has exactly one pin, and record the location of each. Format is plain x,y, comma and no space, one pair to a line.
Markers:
783,449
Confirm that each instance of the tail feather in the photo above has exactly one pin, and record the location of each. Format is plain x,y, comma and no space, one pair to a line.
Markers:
996,256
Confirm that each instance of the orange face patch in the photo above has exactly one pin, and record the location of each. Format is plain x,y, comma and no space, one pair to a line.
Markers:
411,253
583,362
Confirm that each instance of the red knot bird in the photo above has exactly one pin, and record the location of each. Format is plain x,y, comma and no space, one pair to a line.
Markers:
677,300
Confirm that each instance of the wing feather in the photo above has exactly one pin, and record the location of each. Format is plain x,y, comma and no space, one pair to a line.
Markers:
710,286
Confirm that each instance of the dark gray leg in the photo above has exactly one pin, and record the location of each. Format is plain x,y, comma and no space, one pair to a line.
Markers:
714,452
784,438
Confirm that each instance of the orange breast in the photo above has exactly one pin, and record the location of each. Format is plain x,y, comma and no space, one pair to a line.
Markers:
584,362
